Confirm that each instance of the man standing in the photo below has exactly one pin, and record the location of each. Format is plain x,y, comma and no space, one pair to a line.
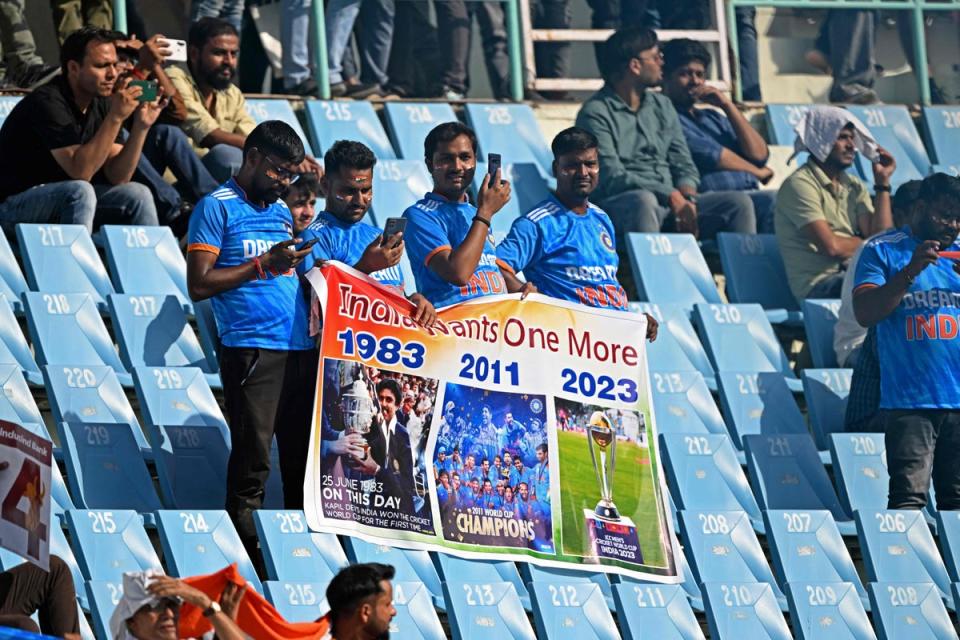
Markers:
241,254
911,295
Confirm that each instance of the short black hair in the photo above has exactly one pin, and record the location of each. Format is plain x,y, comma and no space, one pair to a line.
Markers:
939,186
682,51
74,48
572,140
390,385
445,133
354,584
622,47
306,183
348,153
903,200
206,29
276,138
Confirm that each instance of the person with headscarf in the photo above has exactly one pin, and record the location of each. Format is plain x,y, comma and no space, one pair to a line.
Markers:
823,213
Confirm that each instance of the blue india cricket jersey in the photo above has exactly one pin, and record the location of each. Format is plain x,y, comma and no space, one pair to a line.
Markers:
345,242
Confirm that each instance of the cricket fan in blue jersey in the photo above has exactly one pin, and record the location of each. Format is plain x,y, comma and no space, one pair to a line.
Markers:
242,254
910,291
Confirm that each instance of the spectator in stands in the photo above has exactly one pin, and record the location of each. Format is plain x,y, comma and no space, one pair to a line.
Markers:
62,154
552,58
70,16
454,26
375,35
241,254
845,48
730,154
341,233
301,199
295,42
25,68
910,294
361,602
823,213
228,10
26,589
449,240
648,182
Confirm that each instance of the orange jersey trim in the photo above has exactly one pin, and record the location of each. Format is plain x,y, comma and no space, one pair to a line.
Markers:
503,265
446,247
199,246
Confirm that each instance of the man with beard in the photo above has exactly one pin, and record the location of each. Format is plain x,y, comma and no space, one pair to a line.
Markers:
241,253
361,602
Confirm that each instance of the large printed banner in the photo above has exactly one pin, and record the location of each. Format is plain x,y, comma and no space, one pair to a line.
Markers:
517,429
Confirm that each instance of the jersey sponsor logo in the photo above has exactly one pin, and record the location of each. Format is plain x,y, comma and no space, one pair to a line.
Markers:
932,299
254,248
591,273
488,260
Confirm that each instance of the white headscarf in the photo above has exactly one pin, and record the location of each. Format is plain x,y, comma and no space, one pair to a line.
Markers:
819,127
135,595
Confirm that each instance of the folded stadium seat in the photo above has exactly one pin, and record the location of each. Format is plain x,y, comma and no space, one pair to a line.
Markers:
723,546
60,547
738,610
655,611
408,124
103,596
397,185
261,110
703,473
948,533
806,546
755,273
512,131
821,610
860,470
17,404
683,404
12,282
758,403
909,610
200,542
462,570
178,396
898,547
561,608
298,601
669,268
416,617
940,128
485,610
13,345
207,328
689,584
330,120
819,319
66,330
893,129
292,552
411,565
61,258
677,347
110,543
146,260
528,189
530,572
152,331
738,337
826,391
786,473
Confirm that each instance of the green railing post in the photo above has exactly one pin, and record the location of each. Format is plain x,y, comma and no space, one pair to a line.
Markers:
322,69
734,45
920,51
120,15
516,51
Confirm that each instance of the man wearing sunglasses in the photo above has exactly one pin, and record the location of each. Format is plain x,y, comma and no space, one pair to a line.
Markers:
242,254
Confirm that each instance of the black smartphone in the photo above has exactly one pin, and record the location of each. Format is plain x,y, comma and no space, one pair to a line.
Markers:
308,244
493,164
149,90
392,228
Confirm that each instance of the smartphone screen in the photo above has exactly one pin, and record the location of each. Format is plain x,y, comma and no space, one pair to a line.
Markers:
393,226
493,163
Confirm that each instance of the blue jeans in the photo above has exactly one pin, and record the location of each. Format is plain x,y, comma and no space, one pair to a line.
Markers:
167,147
223,161
375,37
229,10
763,203
295,36
68,202
130,203
640,211
749,62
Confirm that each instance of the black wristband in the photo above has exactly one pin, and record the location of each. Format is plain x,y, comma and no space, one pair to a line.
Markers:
881,187
484,221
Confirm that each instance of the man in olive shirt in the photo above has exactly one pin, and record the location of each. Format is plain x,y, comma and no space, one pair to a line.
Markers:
823,213
648,180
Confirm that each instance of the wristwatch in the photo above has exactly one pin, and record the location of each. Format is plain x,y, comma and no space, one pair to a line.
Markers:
212,610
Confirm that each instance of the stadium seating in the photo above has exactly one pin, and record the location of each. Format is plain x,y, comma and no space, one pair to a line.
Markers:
146,260
292,552
739,610
528,189
909,610
397,184
13,346
655,611
103,596
860,470
411,565
577,608
826,391
110,543
191,465
330,121
758,403
826,610
298,601
178,396
819,319
512,131
683,404
892,128
781,120
549,575
669,268
409,123
948,533
755,274
416,617
12,282
261,110
485,610
677,347
481,571
942,141
17,404
61,258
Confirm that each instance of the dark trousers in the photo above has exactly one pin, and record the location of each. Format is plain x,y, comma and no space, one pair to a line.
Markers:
167,147
27,588
453,28
922,444
415,63
552,58
267,392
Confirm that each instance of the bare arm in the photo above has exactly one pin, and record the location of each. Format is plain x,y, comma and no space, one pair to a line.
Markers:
219,136
871,303
730,161
514,284
829,243
752,144
223,625
882,218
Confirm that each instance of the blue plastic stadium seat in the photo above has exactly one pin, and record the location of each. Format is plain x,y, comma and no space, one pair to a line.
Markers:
416,618
178,396
822,610
688,584
909,610
17,404
738,337
550,575
298,601
397,184
110,543
781,120
576,608
948,532
201,542
330,121
677,347
411,565
703,473
805,546
463,570
408,124
819,319
738,610
755,273
898,547
941,126
758,403
478,610
723,546
191,465
61,258
292,552
66,330
12,282
655,611
860,470
787,474
512,131
104,595
261,110
528,189
13,346
826,391
683,404
146,260
669,268
892,128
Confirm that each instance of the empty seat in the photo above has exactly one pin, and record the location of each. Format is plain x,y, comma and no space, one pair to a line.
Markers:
677,347
551,575
292,552
683,404
12,282
892,128
655,611
408,124
758,403
826,391
485,610
298,601
561,608
331,120
822,610
819,319
178,396
191,465
201,542
909,610
146,260
110,543
17,403
528,189
781,120
755,273
738,610
463,570
410,565
103,595
669,268
512,131
416,618
397,185
940,125
13,346
261,110
860,470
61,258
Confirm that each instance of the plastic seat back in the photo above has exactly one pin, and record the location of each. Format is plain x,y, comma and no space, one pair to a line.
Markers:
146,260
677,347
178,396
152,331
410,565
940,127
655,611
550,575
561,608
61,258
860,470
738,337
397,184
104,596
454,568
781,120
408,124
416,618
737,610
12,282
669,268
819,319
683,404
110,543
299,601
191,465
755,271
7,103
909,610
331,120
828,611
261,110
826,391
512,131
485,610
758,403
292,552
893,129
948,533
17,404
13,345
